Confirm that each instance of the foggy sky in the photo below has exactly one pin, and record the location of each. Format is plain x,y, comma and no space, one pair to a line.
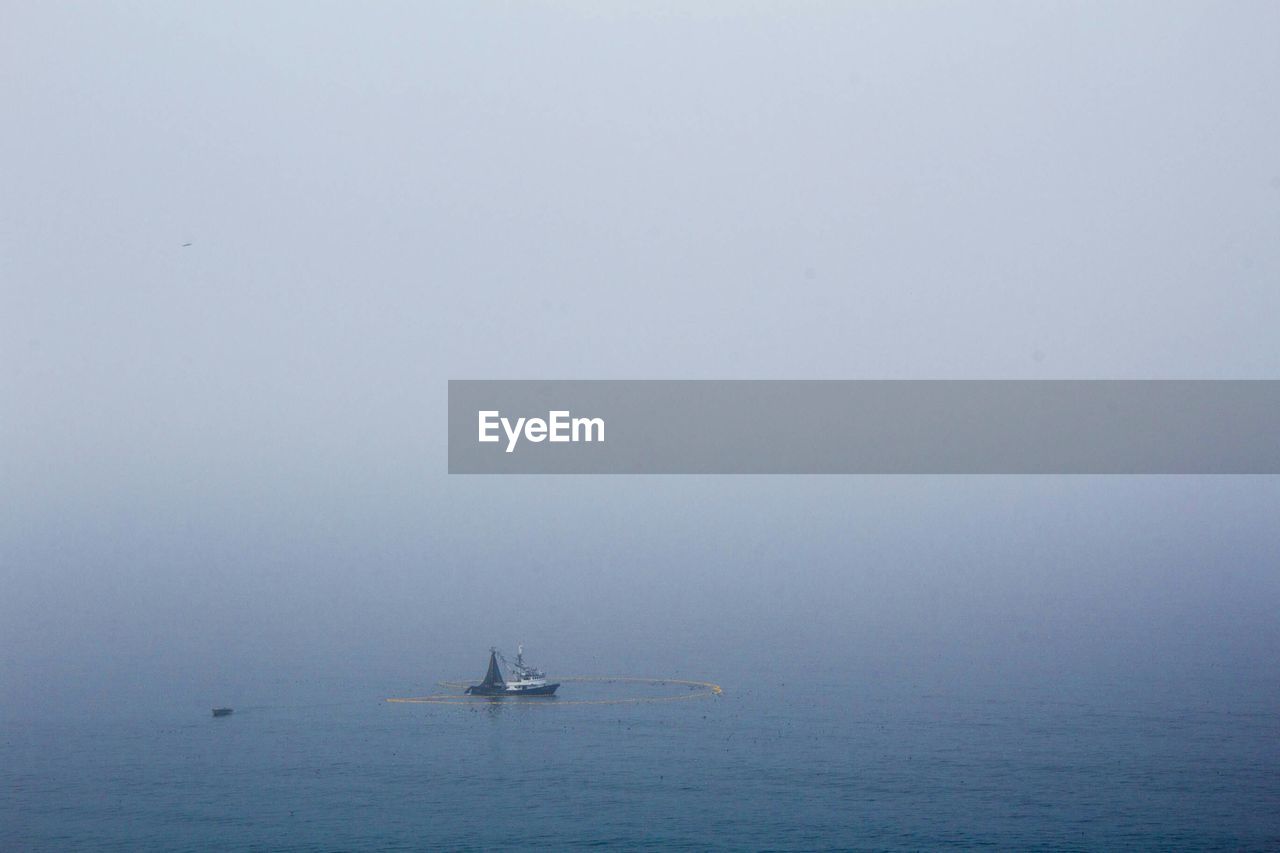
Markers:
224,463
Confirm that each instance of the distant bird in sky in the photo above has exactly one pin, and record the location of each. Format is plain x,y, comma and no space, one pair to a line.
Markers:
185,245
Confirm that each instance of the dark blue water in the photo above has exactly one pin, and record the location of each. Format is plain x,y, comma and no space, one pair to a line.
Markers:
765,766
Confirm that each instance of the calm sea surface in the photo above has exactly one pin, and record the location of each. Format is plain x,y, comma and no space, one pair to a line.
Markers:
765,766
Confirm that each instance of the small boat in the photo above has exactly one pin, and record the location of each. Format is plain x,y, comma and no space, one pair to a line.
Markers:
222,712
528,680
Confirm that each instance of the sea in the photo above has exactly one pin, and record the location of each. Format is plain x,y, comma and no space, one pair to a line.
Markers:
771,763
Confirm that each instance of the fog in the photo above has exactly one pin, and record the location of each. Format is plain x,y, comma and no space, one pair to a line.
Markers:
223,463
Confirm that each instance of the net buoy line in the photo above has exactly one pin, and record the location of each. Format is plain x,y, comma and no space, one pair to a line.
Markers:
700,689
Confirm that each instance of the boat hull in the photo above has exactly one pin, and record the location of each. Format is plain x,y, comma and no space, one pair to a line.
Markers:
501,690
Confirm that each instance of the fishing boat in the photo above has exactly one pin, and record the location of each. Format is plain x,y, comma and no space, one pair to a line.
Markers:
222,712
527,680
